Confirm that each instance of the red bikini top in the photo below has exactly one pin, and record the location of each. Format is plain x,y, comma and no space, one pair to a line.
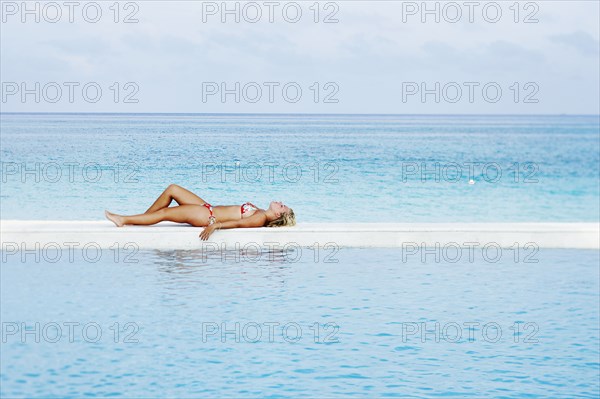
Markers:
247,207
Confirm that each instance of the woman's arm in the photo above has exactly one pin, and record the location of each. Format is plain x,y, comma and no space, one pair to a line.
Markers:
253,221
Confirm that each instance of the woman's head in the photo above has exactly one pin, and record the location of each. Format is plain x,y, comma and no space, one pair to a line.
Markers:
284,215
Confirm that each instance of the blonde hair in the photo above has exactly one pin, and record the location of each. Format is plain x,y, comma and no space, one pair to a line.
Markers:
286,219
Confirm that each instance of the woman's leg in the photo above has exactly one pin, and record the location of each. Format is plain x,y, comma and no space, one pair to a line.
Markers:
192,214
177,193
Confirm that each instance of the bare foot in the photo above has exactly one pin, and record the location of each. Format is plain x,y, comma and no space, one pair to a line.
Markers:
116,219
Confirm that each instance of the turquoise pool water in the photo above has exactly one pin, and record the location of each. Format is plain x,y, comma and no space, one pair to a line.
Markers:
348,324
326,167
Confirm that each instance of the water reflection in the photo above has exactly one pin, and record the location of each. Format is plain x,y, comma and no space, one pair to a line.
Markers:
184,273
188,261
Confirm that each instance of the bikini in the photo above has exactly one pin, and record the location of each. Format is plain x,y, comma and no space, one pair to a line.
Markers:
247,207
211,218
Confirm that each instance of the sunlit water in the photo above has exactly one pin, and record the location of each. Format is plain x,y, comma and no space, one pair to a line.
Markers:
509,329
327,168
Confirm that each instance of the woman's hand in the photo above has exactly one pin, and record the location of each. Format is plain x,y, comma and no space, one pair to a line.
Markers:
208,230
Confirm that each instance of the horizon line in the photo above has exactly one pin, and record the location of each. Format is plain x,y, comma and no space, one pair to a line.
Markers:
282,114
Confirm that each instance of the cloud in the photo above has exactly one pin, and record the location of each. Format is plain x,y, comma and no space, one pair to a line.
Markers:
583,42
499,56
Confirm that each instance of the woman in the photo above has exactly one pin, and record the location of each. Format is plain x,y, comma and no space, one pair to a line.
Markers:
197,212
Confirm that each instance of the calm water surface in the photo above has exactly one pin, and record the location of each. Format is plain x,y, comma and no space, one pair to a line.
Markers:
284,325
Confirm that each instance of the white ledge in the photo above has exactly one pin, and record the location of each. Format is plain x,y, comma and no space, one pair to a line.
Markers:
31,234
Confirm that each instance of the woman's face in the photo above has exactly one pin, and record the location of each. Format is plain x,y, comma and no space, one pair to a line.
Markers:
278,208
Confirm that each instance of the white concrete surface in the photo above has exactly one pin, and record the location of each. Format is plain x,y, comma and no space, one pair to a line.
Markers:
17,234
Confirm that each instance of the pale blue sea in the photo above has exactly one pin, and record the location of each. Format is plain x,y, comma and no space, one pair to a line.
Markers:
327,168
311,323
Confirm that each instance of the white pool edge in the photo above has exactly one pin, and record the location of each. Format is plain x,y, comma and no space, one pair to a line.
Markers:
18,235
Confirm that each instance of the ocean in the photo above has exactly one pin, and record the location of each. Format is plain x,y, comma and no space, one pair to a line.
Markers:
328,168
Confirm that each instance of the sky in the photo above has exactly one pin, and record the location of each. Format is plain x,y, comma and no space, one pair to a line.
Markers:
362,57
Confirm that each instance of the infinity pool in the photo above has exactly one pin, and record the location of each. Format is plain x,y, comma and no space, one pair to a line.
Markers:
310,323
